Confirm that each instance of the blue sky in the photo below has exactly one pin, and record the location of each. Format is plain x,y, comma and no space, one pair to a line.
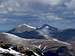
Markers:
58,13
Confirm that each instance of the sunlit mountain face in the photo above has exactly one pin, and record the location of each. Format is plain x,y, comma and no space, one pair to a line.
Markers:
57,13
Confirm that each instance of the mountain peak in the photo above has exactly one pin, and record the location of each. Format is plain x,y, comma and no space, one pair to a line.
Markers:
23,28
25,25
46,26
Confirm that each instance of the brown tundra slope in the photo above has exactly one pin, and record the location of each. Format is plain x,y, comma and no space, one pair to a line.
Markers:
23,44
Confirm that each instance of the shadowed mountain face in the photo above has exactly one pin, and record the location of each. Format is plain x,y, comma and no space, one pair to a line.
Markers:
66,35
30,35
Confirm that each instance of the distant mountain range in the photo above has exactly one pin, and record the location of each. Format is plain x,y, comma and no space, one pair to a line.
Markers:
66,35
45,38
29,32
26,31
44,32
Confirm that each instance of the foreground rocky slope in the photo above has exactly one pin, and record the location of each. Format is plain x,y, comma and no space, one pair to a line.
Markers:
36,47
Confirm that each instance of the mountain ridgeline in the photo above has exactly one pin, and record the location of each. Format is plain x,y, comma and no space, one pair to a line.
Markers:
43,32
40,41
66,35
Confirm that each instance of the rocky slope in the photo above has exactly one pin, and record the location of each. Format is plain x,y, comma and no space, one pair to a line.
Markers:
22,45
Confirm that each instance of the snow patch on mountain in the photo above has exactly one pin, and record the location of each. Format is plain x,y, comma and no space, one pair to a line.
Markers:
10,51
9,35
26,26
61,42
23,28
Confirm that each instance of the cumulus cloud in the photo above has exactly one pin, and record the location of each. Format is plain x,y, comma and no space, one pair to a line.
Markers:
11,5
18,7
55,17
31,7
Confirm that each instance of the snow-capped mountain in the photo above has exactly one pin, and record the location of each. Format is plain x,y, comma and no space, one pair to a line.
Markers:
29,32
47,30
22,28
46,26
44,32
64,35
26,31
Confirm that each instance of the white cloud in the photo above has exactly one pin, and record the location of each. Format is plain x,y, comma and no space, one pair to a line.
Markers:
24,6
53,17
70,4
11,5
50,2
3,20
